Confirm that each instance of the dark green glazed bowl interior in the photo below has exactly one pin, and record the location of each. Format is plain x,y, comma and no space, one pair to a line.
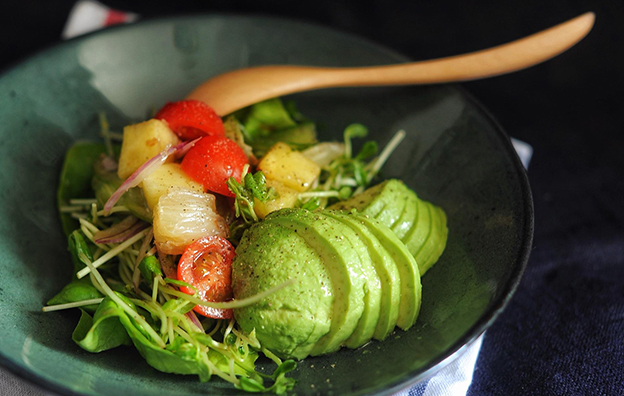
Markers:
454,155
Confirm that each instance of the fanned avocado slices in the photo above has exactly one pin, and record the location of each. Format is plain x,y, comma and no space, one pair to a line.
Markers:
416,222
411,288
386,270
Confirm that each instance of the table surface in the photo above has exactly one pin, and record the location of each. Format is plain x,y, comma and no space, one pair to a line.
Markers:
563,332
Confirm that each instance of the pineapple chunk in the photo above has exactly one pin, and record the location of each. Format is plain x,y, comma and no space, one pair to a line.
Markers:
183,216
287,199
289,167
141,142
162,179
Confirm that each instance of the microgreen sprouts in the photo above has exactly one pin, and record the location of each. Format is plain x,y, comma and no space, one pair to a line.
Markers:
349,174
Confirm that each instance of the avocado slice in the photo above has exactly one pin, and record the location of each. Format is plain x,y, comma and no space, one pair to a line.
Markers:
419,224
291,321
386,270
418,234
406,221
367,324
372,200
341,261
411,288
436,241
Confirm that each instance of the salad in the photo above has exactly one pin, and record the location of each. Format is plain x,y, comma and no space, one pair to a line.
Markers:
206,243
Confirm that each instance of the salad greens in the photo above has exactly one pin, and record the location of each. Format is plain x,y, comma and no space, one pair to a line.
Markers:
128,292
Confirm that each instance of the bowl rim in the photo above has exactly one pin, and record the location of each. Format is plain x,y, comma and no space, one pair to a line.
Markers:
495,307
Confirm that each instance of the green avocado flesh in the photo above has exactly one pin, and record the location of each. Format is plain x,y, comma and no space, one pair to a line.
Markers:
420,225
343,264
411,289
291,321
354,281
386,270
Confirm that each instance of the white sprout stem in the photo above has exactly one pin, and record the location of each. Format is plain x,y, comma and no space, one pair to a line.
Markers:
82,201
229,304
230,377
58,307
112,253
111,294
390,147
78,216
271,356
255,343
96,284
170,329
114,209
228,329
115,135
319,194
85,224
153,308
155,289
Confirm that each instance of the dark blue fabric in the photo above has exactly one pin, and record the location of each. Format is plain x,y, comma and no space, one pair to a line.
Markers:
419,389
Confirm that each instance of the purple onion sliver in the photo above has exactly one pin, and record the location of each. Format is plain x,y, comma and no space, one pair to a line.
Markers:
185,147
191,315
124,236
116,229
139,175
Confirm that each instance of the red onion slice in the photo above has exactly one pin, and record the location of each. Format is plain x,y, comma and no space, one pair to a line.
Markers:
144,171
191,315
184,149
120,232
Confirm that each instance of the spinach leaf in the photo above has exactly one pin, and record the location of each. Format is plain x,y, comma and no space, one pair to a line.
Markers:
102,332
77,289
150,267
75,179
270,121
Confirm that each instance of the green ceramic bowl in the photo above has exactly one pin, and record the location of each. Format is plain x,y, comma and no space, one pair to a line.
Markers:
454,155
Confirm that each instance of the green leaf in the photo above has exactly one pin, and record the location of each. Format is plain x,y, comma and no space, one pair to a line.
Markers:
297,137
269,122
251,385
284,368
150,268
265,117
77,289
75,179
102,332
368,150
355,131
178,305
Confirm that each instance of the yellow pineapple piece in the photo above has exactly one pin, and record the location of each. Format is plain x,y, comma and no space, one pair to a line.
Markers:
289,167
167,176
141,142
287,199
183,216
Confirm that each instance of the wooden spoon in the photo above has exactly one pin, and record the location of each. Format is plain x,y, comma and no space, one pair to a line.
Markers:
234,90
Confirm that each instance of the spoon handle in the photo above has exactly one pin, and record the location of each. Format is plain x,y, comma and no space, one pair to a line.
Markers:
234,90
506,58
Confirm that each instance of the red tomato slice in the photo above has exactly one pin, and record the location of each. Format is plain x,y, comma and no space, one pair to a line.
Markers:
206,264
190,119
212,161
